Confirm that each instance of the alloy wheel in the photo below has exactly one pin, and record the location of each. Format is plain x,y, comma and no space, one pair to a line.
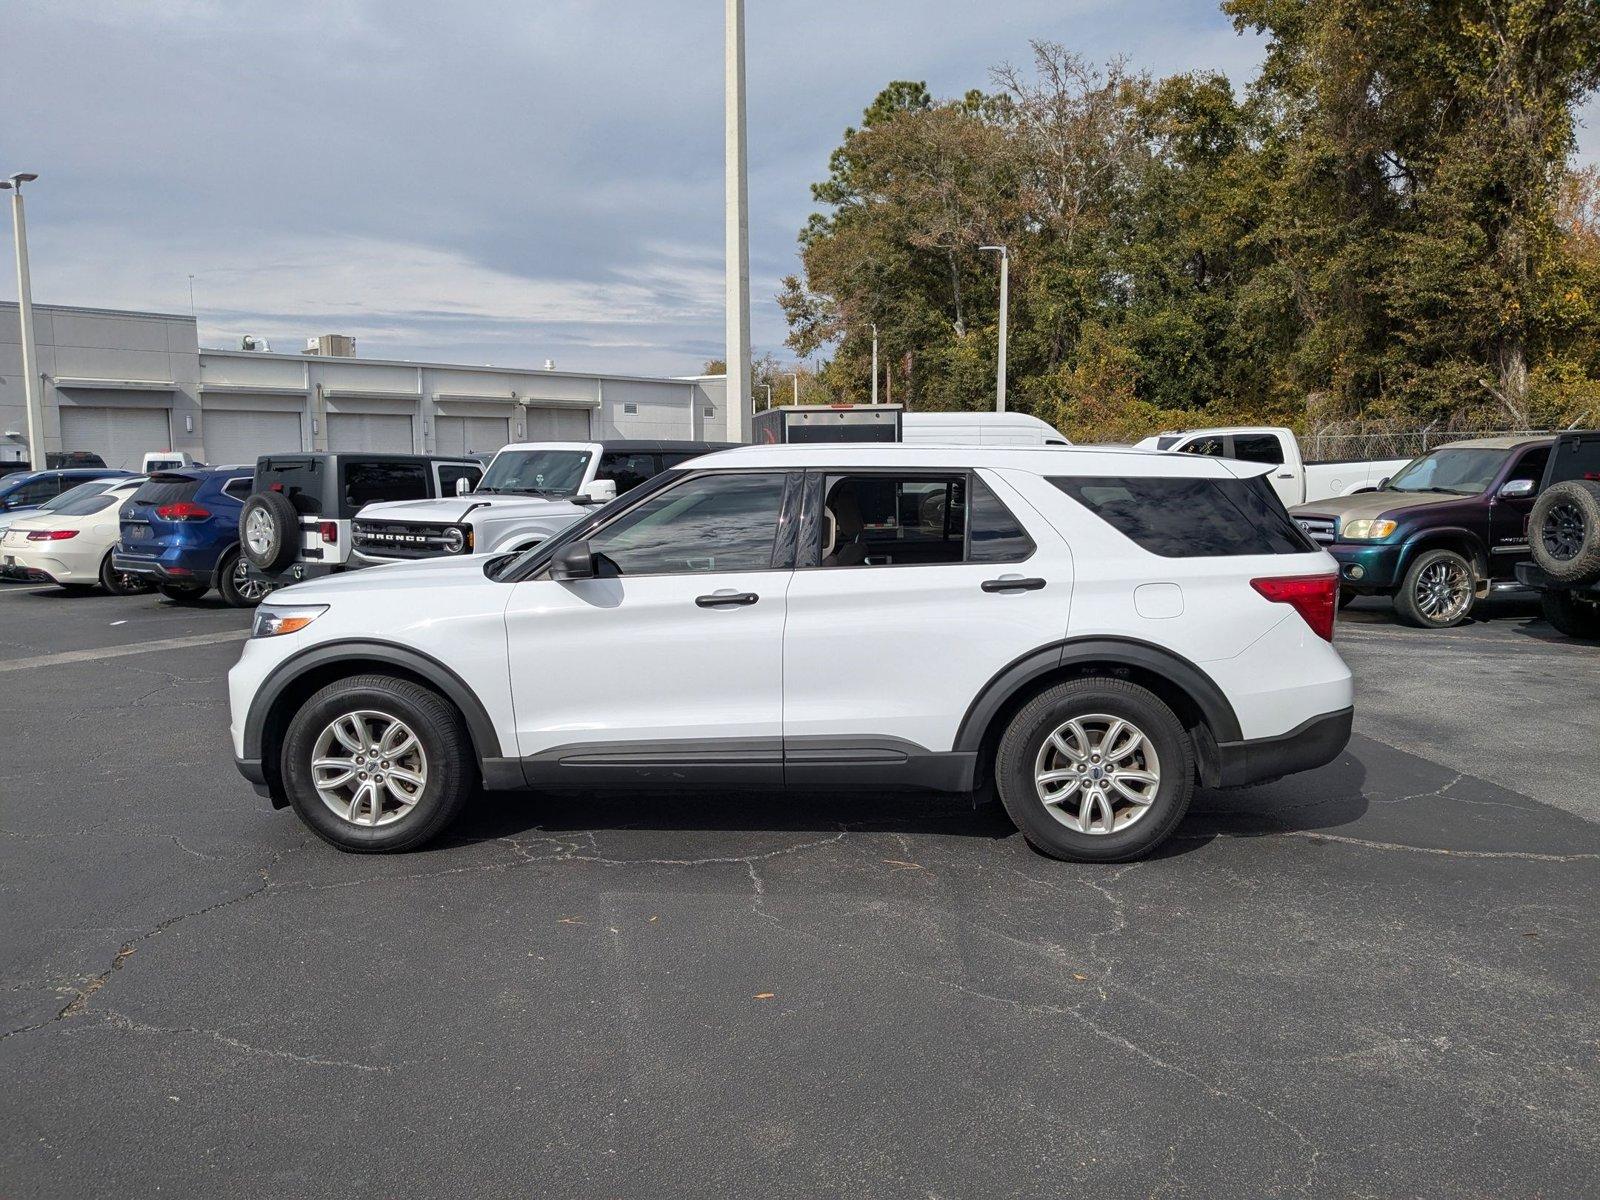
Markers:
1444,590
369,768
1097,774
1562,532
258,532
245,584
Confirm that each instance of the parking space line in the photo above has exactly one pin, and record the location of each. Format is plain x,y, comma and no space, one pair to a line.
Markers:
71,656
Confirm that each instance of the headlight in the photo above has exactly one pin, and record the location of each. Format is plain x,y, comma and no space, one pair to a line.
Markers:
275,622
1366,531
457,540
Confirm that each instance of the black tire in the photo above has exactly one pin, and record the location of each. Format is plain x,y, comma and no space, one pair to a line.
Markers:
1564,531
181,593
275,516
235,585
1026,739
120,583
449,762
1577,616
1428,596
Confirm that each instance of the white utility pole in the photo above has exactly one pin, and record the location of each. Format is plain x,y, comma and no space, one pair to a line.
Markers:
797,385
1005,287
736,203
30,361
874,364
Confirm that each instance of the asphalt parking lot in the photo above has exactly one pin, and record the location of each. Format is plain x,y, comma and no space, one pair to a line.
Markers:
1376,979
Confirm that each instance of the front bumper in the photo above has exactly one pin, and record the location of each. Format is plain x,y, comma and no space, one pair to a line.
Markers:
1310,744
1373,565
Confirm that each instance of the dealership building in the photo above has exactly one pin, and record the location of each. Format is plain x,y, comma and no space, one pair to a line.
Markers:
123,383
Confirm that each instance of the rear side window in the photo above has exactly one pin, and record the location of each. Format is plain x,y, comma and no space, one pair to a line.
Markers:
1191,518
239,488
1575,456
626,470
300,479
995,536
166,491
375,482
1257,448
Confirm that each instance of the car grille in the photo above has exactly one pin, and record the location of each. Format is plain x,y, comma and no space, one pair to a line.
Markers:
1318,529
393,540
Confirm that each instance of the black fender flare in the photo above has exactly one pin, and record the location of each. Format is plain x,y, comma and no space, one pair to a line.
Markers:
364,652
1214,707
1420,543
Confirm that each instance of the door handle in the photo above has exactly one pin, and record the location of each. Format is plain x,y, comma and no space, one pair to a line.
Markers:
1287,475
1012,585
726,599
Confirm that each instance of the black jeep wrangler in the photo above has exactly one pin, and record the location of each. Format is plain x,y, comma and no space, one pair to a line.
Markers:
1564,536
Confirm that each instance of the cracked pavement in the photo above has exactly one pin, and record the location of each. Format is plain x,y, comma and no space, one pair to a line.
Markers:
1378,978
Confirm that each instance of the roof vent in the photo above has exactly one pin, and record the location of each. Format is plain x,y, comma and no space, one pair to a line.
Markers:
255,342
332,345
549,364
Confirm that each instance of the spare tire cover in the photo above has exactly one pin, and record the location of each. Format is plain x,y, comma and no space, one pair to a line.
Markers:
269,531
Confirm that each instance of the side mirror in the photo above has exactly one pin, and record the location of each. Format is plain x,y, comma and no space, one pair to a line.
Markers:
574,561
1516,489
463,486
1384,482
601,491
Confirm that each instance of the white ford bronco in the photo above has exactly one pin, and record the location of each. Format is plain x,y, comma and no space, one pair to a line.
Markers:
530,491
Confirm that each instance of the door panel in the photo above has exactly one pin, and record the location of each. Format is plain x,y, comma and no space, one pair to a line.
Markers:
899,652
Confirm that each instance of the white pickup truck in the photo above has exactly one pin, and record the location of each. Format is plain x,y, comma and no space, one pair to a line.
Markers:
530,491
1296,481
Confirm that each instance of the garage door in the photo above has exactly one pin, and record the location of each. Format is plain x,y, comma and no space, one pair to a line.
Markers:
382,433
240,437
121,436
558,424
471,435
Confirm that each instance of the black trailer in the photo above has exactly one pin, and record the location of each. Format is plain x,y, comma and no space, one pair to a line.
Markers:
828,423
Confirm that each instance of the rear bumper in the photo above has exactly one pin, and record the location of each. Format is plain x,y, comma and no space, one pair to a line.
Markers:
1311,744
172,566
1533,577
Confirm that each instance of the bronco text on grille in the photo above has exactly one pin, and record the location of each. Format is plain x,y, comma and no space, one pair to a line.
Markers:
411,541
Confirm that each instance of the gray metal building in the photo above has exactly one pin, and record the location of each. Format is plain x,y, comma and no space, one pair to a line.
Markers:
121,383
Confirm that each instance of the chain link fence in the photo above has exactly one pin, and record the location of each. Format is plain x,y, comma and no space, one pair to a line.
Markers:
1341,444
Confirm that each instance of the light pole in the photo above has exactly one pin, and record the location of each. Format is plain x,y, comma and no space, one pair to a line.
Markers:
30,369
874,364
768,386
736,206
1005,287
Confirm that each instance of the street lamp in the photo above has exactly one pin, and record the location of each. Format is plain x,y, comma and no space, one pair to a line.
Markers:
30,370
736,224
1005,286
874,364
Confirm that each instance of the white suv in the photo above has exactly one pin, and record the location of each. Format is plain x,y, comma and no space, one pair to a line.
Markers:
1093,630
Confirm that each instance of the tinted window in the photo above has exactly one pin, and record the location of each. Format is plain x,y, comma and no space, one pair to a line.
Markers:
1531,465
997,536
1257,448
449,473
166,491
627,471
375,482
239,488
77,493
1577,456
35,491
889,520
81,505
300,479
1192,518
1210,444
712,523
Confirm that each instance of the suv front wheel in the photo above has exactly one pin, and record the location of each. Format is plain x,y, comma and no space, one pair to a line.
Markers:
1437,591
1095,770
375,763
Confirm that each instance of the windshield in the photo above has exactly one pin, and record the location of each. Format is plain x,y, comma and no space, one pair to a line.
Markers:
536,472
1463,472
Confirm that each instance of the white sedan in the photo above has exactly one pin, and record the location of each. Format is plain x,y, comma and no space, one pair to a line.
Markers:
70,543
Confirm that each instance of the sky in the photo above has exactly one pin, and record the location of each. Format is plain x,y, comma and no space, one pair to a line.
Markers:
480,181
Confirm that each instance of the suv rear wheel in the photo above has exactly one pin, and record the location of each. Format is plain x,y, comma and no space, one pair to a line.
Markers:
375,763
1095,770
237,586
1574,614
1437,591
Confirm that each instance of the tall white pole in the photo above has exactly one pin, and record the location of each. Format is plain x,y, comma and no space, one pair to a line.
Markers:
30,365
736,202
797,385
874,364
1005,289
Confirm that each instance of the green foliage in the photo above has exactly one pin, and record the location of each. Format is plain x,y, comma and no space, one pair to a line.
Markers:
1381,226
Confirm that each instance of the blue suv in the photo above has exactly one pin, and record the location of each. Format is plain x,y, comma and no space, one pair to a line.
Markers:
180,531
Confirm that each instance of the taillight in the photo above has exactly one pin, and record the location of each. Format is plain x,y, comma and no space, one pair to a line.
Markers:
329,531
183,510
1314,597
52,535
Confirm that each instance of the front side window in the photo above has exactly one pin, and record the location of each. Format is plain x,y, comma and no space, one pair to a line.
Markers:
1531,465
1191,518
1461,472
556,473
1258,448
376,482
35,491
711,523
627,471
